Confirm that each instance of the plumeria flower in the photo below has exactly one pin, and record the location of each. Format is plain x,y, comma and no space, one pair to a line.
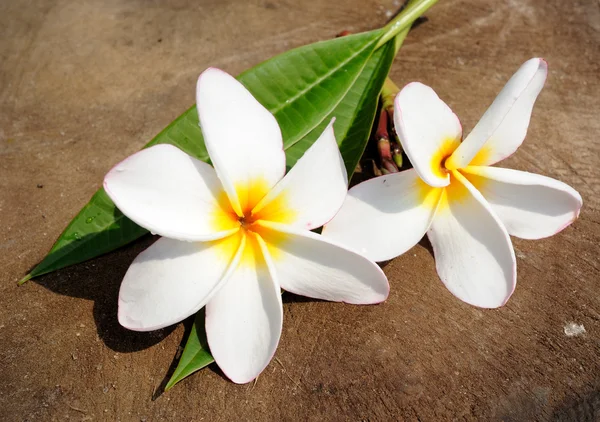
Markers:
467,208
236,234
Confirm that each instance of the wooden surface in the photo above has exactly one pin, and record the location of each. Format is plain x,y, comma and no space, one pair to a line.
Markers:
85,83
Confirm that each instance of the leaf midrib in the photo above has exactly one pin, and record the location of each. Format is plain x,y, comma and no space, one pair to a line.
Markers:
321,79
334,106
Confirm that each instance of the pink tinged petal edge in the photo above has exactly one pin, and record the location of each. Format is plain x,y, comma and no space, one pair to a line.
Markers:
167,192
170,264
445,252
242,137
220,306
315,188
384,217
530,205
315,255
426,126
502,116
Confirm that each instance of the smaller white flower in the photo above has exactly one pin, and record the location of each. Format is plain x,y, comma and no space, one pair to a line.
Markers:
236,234
467,208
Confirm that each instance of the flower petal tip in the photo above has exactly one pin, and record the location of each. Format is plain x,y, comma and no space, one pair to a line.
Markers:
493,304
567,224
380,297
576,211
134,324
542,63
243,377
543,66
427,127
381,294
210,76
211,71
127,321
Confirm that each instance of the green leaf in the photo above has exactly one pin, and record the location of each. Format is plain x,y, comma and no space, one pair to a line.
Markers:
195,355
354,114
97,227
300,87
333,66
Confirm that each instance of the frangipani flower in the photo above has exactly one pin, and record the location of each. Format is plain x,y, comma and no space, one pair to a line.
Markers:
236,234
467,208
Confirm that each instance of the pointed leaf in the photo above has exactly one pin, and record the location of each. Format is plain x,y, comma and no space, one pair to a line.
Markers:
96,229
300,87
196,354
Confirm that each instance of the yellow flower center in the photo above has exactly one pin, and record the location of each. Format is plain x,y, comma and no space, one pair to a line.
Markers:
254,211
442,167
438,161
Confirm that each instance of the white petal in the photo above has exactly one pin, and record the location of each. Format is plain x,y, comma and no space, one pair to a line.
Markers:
473,253
314,189
244,320
172,280
311,265
242,138
171,194
530,206
385,216
503,127
428,129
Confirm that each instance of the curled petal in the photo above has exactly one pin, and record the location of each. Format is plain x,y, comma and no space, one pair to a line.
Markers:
529,205
385,216
244,319
474,256
314,189
503,127
310,265
166,191
242,138
172,280
428,129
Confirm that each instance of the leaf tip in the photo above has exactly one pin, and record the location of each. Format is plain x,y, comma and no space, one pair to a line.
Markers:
171,383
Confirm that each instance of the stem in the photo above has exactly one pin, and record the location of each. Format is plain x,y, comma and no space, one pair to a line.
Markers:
24,280
404,20
383,144
388,94
399,40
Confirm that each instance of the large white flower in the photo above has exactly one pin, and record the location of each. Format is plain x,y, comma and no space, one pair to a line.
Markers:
467,208
235,235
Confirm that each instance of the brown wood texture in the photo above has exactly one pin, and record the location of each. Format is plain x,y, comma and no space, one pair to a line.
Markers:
85,83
